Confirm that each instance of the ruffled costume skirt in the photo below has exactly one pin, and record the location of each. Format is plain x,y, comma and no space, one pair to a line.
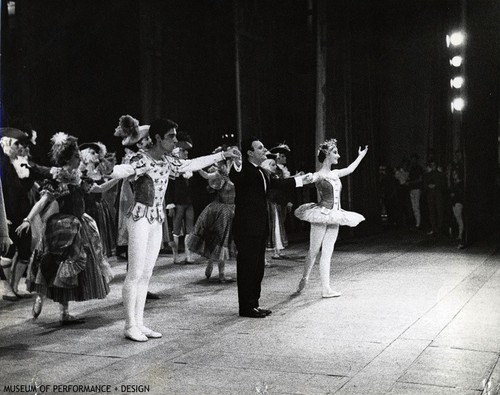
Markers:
125,199
277,238
104,215
72,266
212,236
315,214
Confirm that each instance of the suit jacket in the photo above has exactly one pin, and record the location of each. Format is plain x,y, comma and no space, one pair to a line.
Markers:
250,216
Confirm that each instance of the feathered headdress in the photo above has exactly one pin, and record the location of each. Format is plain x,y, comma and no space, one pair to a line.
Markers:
327,146
102,150
130,131
60,143
127,126
281,149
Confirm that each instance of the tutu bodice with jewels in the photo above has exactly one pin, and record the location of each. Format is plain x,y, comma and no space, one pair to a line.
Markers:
328,211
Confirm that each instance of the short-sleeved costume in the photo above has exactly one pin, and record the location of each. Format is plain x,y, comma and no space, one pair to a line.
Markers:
212,235
328,211
72,267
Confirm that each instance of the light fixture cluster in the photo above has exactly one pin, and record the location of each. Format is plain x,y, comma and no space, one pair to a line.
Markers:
456,44
11,8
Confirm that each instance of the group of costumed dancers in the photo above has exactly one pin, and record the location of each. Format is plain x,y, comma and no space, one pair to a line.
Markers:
58,226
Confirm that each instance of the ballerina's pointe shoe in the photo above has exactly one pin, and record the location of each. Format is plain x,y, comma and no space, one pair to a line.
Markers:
150,333
135,334
302,284
331,294
37,306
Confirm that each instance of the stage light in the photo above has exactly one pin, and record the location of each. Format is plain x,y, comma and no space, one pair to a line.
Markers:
456,61
457,104
11,8
455,39
457,82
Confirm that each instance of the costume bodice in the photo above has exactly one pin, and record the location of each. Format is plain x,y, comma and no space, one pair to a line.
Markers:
329,191
150,184
68,190
72,203
226,193
224,187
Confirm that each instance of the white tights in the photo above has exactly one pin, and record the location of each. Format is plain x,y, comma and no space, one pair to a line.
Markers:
321,237
144,242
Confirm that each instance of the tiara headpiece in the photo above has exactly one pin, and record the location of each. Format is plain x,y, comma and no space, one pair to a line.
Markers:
327,146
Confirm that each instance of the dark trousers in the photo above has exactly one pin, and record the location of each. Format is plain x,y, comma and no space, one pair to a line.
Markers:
435,206
250,262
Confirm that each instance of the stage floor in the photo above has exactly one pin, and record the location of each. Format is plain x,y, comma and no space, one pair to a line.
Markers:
416,316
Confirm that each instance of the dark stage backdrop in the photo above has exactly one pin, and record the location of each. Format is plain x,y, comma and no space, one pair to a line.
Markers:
76,66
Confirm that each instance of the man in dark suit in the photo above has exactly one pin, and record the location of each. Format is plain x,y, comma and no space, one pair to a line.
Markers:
250,225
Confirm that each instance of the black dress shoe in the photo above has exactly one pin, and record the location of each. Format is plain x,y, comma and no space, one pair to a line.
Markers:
70,320
254,313
151,295
265,311
10,298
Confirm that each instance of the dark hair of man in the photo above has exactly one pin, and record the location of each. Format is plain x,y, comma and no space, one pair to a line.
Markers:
246,145
161,127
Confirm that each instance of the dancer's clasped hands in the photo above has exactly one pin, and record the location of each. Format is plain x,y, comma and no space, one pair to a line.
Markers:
232,152
307,178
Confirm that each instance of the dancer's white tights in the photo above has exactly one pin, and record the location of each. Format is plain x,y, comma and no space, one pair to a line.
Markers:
144,242
321,237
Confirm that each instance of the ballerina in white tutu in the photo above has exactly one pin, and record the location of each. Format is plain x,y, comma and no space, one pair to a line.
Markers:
326,216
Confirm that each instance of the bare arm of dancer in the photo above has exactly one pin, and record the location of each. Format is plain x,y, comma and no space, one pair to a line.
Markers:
36,209
349,169
206,175
106,186
205,161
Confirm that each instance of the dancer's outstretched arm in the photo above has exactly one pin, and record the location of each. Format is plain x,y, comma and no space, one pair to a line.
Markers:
349,169
36,209
205,161
106,186
206,175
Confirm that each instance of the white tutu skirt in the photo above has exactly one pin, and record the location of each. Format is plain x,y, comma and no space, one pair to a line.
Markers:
315,214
